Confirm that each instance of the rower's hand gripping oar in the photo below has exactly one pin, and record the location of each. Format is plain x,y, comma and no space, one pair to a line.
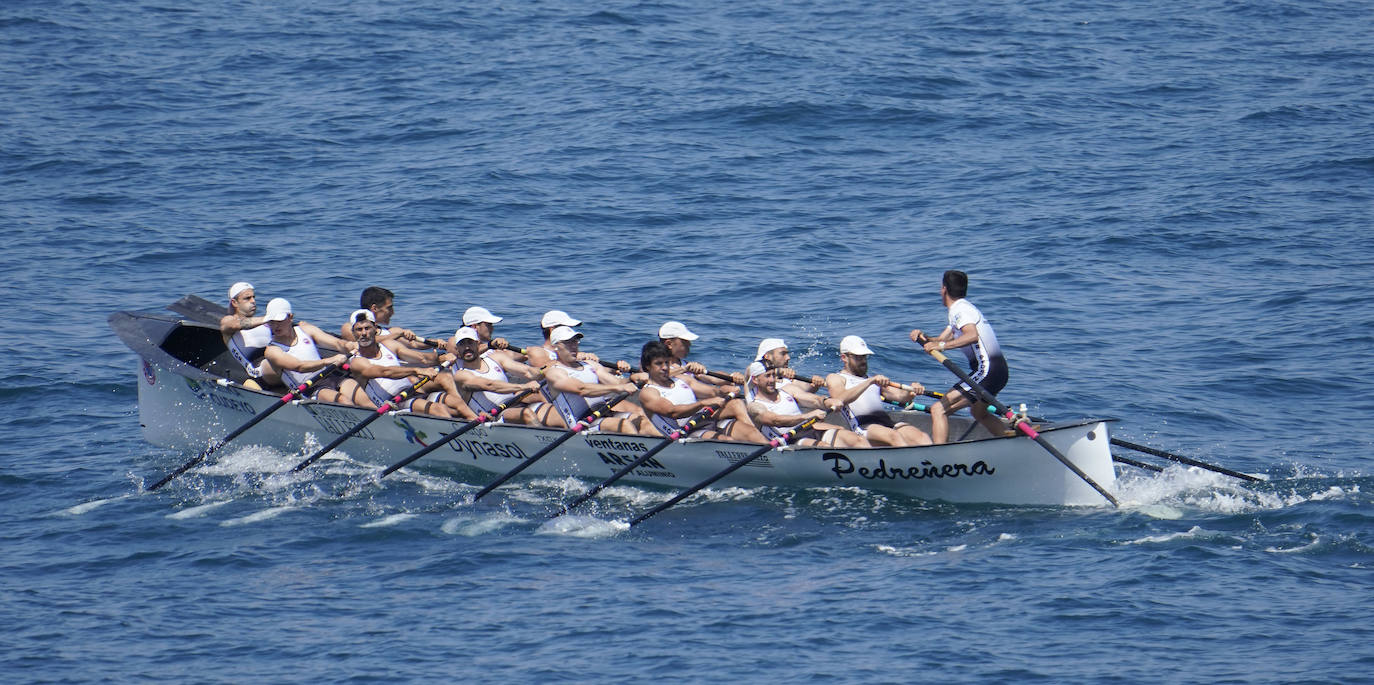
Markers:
686,429
1021,423
481,418
299,391
772,444
588,418
381,411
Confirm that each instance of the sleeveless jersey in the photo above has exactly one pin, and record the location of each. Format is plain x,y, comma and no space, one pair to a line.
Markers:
571,405
678,393
381,390
868,403
785,405
485,400
304,350
247,347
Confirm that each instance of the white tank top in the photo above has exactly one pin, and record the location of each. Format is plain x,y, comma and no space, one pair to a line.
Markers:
785,405
247,345
485,400
677,393
304,350
381,390
573,406
869,402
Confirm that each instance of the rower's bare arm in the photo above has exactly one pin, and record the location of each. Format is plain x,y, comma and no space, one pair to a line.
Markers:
281,359
845,395
412,355
331,341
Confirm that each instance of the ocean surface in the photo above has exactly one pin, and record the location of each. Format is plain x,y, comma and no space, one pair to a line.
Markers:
1164,210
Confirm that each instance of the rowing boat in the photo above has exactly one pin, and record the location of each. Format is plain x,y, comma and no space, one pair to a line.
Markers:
189,394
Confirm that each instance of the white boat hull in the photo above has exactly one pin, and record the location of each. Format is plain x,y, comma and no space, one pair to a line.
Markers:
182,407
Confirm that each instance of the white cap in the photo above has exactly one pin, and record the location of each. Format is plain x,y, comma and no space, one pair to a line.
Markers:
278,310
365,313
557,317
757,369
675,329
768,345
563,333
476,315
464,333
239,287
853,344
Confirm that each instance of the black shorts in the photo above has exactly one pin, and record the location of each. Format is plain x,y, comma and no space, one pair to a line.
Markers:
876,418
993,381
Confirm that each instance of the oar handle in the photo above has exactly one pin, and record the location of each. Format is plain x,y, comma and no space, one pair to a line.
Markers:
772,444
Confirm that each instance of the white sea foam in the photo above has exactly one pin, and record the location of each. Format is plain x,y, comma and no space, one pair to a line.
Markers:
473,526
88,506
1194,532
255,517
386,521
192,512
582,527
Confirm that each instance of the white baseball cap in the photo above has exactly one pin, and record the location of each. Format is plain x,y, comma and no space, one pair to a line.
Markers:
562,333
675,329
757,369
476,315
768,345
557,317
239,287
365,313
853,344
464,333
277,310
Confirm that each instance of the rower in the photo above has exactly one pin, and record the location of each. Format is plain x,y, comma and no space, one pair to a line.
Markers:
670,401
247,336
544,354
483,323
675,336
292,350
482,380
378,374
774,412
862,396
381,302
774,353
970,331
575,386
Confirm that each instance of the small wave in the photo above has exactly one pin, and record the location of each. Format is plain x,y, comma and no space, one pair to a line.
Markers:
192,512
85,507
1316,541
1191,533
257,516
386,521
472,527
582,527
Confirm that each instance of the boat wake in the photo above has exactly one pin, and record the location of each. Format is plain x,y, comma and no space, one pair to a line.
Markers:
92,505
580,526
1178,490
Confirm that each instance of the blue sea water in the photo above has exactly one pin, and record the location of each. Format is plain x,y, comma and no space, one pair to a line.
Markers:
1162,209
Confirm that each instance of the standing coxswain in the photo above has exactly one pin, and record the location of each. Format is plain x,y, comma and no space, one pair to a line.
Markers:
968,330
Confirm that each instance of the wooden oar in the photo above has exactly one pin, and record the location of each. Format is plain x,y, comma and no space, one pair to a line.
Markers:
1184,460
381,411
691,425
299,391
1021,424
583,423
481,418
772,444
